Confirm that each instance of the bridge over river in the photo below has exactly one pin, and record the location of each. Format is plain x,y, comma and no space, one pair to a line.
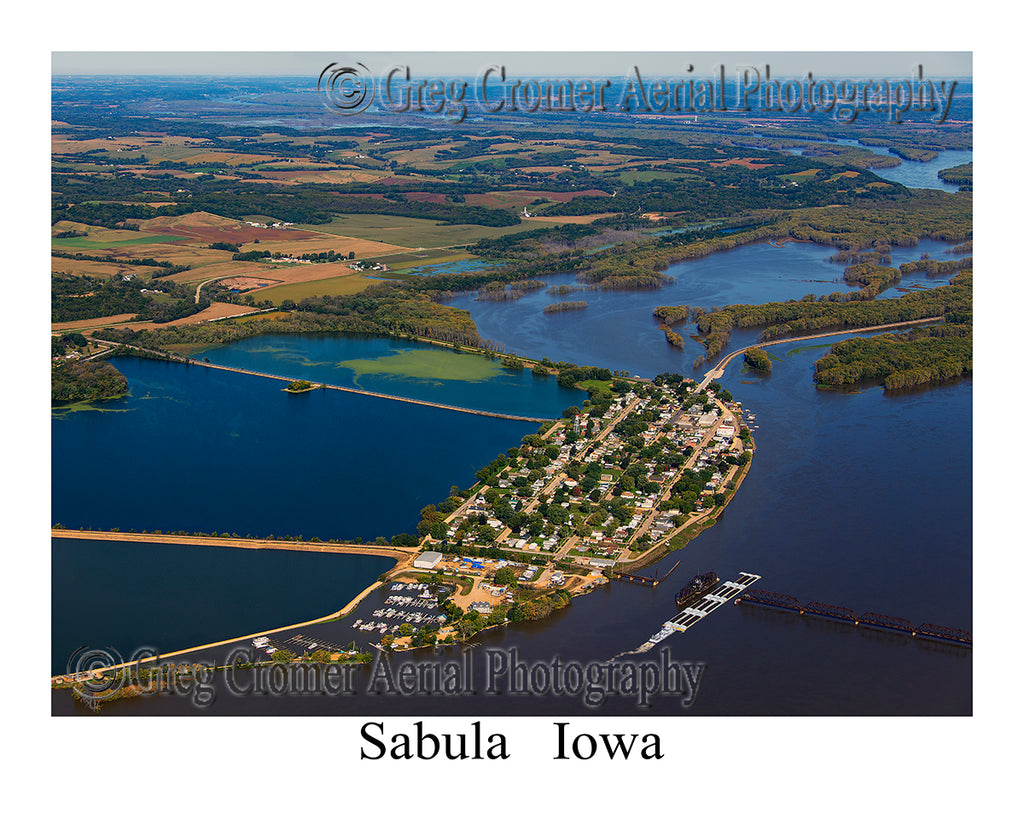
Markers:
718,370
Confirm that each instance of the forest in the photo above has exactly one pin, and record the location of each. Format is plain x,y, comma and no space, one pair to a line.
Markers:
75,298
388,308
900,360
72,381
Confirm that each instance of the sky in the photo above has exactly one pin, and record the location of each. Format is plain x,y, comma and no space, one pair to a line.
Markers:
848,64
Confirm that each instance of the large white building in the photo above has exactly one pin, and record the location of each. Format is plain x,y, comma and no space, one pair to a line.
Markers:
427,560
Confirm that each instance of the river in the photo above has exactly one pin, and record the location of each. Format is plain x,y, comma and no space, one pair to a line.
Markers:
858,499
911,173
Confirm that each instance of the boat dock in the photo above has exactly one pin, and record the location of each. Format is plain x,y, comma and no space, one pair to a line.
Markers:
645,581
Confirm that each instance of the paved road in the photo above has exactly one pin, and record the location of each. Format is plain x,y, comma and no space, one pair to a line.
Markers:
718,370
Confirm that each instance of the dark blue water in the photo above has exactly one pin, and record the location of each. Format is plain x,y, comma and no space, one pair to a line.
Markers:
167,597
855,499
196,449
321,359
618,330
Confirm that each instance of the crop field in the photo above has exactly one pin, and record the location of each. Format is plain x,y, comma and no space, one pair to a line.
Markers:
178,254
245,283
225,157
62,145
750,163
799,175
217,310
82,267
566,220
192,151
362,247
407,232
99,237
330,175
337,285
90,324
218,269
498,199
209,228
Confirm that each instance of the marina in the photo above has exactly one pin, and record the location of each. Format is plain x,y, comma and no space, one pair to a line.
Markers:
416,605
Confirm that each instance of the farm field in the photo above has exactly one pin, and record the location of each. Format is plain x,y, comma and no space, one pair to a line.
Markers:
363,248
217,310
413,233
429,191
84,267
329,175
340,285
90,324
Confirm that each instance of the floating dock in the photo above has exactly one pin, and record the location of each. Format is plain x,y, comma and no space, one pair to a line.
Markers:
691,615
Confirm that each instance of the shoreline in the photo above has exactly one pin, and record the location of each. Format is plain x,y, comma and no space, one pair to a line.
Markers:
239,543
403,557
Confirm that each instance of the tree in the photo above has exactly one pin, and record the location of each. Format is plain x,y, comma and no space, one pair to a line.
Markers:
505,576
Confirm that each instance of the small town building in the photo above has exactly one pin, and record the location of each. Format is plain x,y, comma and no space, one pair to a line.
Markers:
427,560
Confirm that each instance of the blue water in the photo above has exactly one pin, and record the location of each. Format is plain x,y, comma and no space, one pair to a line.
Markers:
857,499
196,449
321,359
910,173
618,330
462,266
167,597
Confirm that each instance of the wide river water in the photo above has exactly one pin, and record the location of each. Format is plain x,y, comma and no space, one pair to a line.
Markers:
857,499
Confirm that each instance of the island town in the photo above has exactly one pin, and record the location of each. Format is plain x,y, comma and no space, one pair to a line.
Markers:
635,472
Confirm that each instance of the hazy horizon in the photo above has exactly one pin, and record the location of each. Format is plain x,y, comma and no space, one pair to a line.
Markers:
851,64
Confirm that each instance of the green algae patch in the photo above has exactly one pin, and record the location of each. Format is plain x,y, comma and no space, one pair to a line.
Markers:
433,365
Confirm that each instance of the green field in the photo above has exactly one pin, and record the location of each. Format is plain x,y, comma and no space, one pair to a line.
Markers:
408,232
82,243
338,286
433,365
602,388
629,177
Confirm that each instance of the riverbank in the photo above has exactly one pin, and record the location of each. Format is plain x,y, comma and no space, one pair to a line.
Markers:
402,556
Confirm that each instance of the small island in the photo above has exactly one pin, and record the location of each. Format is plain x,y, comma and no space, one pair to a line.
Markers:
75,380
757,359
562,306
300,386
